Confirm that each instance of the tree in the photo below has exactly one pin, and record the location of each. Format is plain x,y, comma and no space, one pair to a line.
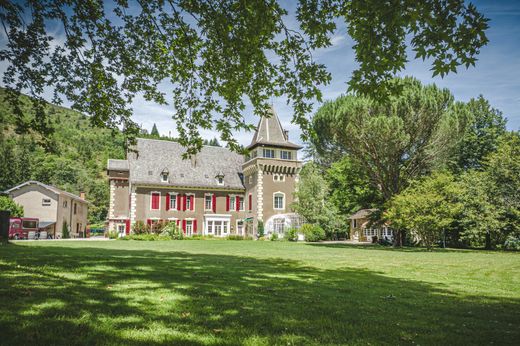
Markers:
486,125
15,210
480,215
155,132
350,188
503,170
216,55
310,200
397,141
426,208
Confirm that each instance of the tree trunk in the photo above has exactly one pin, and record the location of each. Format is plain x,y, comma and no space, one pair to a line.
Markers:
488,241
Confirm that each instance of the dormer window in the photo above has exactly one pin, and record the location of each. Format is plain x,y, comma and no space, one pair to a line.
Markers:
220,178
164,175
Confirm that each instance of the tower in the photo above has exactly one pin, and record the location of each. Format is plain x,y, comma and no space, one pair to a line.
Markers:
270,175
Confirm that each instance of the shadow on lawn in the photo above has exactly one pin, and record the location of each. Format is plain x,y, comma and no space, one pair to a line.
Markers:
53,295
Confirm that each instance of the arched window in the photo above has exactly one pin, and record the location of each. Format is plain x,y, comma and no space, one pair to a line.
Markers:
279,200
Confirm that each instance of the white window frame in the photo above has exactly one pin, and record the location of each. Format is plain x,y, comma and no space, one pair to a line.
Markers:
170,194
289,155
220,181
232,202
241,204
189,222
187,199
277,221
251,179
283,200
151,195
210,219
264,150
210,195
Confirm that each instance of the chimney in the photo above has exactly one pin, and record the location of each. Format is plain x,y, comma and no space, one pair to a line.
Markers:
82,195
286,134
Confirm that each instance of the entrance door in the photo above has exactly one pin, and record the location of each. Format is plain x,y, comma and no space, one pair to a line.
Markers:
121,230
240,227
218,228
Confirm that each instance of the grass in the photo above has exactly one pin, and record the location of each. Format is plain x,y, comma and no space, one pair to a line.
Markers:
254,293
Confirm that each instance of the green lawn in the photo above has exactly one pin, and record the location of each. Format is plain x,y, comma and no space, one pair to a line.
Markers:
254,293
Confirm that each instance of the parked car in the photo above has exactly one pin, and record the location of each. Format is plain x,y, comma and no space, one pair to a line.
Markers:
19,227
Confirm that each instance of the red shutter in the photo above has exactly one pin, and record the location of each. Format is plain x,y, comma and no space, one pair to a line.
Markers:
184,202
168,196
178,202
250,202
237,203
195,226
155,200
192,202
149,222
227,203
177,222
214,203
127,230
184,226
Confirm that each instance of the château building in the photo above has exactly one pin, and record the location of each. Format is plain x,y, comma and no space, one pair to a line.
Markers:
215,192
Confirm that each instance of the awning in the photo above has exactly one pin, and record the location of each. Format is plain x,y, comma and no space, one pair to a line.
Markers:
45,224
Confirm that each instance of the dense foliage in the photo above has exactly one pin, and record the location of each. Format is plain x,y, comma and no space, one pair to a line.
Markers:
214,56
15,210
74,156
437,172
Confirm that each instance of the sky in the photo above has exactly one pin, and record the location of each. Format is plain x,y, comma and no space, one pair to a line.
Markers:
496,75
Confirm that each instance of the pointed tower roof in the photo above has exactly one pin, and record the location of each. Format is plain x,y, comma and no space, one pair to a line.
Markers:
270,132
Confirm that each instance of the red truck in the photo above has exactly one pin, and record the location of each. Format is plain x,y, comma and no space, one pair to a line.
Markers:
19,227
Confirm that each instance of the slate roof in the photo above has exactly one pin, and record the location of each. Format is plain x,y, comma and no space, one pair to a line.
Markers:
362,214
270,132
153,156
117,165
50,188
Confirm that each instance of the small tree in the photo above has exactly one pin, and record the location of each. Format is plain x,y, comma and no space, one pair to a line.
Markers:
65,234
260,229
14,209
155,132
426,208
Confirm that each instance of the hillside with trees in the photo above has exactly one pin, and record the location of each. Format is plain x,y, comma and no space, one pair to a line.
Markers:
72,156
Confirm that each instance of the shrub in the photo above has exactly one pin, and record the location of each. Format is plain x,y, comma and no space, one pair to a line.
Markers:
139,227
65,230
312,232
172,231
112,235
260,229
144,236
15,210
512,243
292,234
274,237
235,237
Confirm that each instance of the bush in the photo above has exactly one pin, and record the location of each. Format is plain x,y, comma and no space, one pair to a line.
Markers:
112,235
171,231
15,210
292,234
139,227
144,236
260,229
238,237
65,231
312,233
512,243
274,237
